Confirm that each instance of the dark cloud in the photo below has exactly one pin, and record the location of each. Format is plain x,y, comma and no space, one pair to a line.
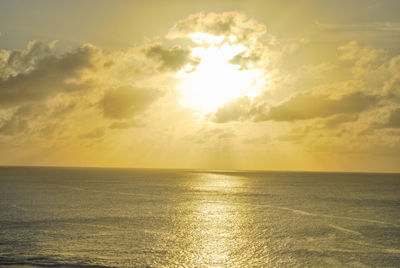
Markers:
392,85
227,23
125,102
49,76
13,126
308,106
17,61
302,106
234,110
170,59
393,120
125,125
244,60
21,59
95,133
35,117
19,121
120,125
340,119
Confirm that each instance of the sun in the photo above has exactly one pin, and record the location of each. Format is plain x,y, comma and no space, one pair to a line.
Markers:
216,80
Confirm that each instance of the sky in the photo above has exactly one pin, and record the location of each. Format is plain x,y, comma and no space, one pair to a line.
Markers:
250,85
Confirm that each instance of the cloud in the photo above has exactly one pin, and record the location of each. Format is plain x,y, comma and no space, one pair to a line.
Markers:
15,61
392,85
390,27
20,120
301,106
119,125
226,23
13,126
245,59
125,125
365,58
393,120
234,110
308,106
41,89
127,101
170,59
340,119
48,76
95,133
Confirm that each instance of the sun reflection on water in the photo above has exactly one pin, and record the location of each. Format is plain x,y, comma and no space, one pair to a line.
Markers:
216,228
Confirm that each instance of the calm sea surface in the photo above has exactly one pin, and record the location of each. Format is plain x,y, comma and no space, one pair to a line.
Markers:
74,217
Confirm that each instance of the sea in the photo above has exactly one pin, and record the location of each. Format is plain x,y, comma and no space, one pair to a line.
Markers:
103,217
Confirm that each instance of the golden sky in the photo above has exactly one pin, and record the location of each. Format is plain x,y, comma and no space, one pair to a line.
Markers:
274,85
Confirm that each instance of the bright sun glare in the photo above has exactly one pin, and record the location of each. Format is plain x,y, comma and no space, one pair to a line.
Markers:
215,80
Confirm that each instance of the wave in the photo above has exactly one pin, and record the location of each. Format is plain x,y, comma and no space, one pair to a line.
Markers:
305,213
45,262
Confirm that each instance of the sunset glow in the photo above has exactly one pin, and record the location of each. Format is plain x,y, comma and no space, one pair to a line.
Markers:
216,80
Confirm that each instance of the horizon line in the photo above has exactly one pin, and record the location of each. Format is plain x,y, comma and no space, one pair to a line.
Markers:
216,170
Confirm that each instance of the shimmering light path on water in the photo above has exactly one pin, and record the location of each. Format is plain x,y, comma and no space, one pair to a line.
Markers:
138,218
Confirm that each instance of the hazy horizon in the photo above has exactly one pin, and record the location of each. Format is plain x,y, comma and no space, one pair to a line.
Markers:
203,169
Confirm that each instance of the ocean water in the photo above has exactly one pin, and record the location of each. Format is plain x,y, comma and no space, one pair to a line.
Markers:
93,217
